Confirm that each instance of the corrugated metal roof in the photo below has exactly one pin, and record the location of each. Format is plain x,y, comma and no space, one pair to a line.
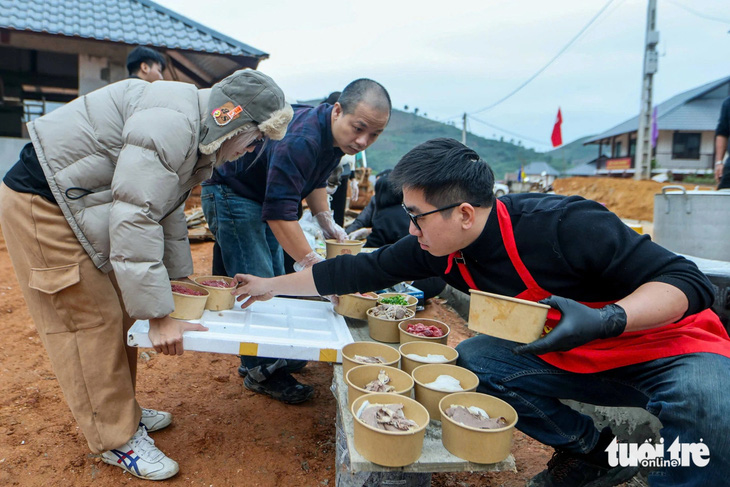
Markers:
686,111
539,167
588,169
134,22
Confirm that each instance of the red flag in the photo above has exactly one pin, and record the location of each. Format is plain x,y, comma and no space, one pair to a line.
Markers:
557,137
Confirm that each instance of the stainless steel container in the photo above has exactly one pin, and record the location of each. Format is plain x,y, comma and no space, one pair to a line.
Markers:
693,222
719,274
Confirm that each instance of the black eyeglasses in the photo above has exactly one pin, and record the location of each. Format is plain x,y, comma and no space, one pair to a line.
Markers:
414,218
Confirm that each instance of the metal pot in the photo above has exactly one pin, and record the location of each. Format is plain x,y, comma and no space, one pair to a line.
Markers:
719,274
693,222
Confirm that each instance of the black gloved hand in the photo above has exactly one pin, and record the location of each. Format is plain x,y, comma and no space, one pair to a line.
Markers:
578,326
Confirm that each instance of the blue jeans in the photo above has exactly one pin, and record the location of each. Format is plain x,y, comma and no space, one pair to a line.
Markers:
688,393
247,246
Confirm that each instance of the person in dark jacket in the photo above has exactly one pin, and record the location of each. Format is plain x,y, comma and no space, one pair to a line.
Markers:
362,226
389,222
251,205
630,323
722,167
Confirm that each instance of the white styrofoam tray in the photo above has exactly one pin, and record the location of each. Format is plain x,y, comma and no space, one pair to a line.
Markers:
280,328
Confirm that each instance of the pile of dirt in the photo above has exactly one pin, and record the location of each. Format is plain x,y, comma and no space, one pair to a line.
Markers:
628,198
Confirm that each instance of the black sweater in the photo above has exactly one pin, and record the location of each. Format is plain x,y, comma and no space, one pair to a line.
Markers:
573,248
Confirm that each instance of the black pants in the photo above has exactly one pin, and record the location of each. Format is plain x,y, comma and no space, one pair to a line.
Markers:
725,179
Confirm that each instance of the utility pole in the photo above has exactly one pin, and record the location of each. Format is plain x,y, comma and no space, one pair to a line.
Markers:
463,129
642,157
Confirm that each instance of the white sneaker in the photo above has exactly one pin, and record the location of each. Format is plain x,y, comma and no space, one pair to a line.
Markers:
155,420
141,458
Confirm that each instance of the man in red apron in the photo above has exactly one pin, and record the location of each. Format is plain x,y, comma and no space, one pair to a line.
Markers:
631,324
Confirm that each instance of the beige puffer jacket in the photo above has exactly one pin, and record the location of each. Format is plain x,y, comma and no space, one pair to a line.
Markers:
120,162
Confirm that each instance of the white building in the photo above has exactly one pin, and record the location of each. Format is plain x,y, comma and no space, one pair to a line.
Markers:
685,145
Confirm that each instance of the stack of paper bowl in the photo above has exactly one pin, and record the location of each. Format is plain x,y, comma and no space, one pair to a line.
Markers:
219,298
368,349
348,247
188,307
356,305
428,395
406,337
390,448
424,349
385,330
359,377
411,300
505,317
474,444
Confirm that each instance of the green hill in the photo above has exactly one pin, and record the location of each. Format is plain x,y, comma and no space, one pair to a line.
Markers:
569,155
406,130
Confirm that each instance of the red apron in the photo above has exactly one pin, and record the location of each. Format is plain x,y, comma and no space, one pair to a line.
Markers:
701,332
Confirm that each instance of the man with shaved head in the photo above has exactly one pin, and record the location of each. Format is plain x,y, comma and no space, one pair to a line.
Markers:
251,205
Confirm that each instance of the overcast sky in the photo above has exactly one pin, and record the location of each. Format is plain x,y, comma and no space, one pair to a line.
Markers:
459,56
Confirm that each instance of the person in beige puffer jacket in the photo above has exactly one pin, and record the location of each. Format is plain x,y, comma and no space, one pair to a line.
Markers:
92,216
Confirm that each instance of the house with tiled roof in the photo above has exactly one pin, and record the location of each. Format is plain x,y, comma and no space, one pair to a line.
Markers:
52,51
686,132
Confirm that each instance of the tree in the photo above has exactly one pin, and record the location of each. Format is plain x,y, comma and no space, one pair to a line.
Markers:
415,110
405,108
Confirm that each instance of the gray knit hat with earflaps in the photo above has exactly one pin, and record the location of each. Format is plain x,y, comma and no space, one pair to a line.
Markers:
245,99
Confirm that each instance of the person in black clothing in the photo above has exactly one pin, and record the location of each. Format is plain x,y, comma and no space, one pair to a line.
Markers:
364,220
633,327
389,222
722,167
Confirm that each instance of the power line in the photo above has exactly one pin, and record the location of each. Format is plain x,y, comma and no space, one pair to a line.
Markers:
471,117
698,14
608,14
539,71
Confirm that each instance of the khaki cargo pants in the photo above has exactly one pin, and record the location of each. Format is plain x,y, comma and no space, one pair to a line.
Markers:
79,315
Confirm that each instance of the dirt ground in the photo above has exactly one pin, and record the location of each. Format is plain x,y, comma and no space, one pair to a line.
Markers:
628,198
222,434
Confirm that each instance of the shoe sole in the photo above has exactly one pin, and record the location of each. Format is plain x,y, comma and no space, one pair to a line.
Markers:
158,428
131,472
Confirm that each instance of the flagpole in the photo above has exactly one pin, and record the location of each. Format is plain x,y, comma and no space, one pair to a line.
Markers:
463,130
642,157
